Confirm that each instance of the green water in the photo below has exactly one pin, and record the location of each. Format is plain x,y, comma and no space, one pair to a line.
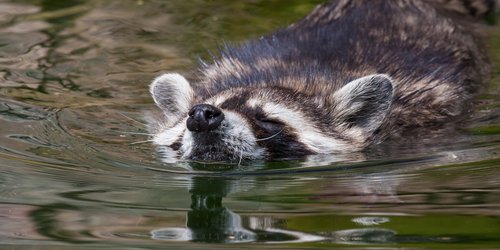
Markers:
74,81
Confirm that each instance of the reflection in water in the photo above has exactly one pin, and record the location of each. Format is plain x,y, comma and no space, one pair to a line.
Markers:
363,236
347,217
209,221
370,221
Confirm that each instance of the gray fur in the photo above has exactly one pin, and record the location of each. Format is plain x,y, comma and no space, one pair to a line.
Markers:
362,105
173,95
347,76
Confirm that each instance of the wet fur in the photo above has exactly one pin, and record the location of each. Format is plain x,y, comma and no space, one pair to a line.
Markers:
436,63
429,56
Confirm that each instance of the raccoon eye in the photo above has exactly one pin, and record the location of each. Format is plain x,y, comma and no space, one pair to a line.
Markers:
268,120
268,123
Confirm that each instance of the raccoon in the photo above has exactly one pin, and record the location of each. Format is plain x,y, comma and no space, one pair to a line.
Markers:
347,76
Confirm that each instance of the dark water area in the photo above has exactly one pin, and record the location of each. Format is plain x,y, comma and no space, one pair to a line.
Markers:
77,170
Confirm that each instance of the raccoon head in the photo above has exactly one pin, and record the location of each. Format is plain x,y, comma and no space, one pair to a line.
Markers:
268,121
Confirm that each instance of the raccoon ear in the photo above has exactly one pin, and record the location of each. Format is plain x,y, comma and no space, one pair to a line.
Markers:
362,105
173,94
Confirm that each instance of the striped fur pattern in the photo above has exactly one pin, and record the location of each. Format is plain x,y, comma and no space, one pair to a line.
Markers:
348,75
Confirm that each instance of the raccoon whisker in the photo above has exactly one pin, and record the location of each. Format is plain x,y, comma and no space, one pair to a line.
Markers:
140,142
241,157
134,133
132,119
270,137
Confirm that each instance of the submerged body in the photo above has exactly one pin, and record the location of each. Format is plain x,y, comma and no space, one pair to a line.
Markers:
345,77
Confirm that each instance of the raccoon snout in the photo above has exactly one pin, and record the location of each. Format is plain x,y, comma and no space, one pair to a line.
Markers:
204,117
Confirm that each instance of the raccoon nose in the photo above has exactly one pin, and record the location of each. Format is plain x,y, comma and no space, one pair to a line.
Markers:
204,117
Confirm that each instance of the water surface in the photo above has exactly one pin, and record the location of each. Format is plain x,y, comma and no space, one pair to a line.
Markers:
76,170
